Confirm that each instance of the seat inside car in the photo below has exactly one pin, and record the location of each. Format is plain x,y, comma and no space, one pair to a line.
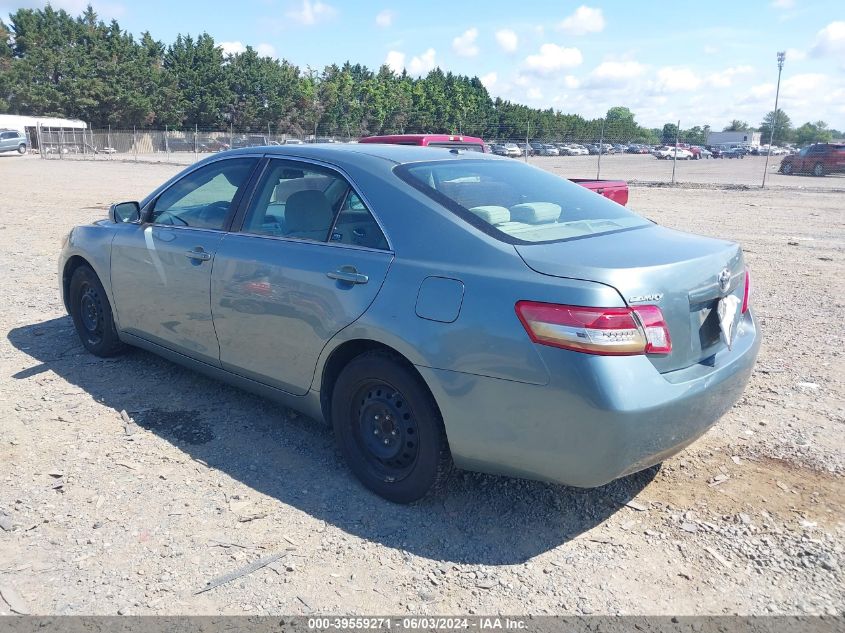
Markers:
308,215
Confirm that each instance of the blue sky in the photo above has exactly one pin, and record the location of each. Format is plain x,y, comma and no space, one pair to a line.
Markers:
700,62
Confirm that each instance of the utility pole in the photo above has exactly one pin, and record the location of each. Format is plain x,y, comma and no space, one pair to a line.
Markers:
675,156
781,59
527,134
601,149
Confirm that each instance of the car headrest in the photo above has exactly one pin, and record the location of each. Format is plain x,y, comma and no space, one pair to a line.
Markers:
535,212
492,214
308,211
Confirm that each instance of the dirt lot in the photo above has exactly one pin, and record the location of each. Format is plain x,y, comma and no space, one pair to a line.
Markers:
101,517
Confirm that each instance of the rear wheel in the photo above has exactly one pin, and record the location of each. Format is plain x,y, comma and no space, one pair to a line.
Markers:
92,314
22,148
389,429
786,168
818,169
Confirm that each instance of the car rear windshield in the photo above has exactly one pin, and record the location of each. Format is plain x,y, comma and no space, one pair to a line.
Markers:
518,203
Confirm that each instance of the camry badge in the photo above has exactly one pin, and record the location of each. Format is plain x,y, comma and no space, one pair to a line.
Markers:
642,298
724,280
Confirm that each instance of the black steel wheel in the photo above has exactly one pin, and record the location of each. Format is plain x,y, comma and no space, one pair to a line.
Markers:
22,148
389,428
92,314
786,168
818,169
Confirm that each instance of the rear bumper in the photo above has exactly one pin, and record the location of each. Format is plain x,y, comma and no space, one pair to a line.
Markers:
598,418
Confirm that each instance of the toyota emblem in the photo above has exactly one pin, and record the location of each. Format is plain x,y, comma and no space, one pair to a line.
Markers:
724,280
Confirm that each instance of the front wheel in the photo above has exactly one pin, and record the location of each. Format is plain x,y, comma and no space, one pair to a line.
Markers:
389,428
92,314
786,169
22,148
818,169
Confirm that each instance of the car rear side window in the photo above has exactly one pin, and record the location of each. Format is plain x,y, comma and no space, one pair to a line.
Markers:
310,202
204,198
518,203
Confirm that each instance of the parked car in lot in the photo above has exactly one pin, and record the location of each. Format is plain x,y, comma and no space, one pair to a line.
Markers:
458,141
819,159
435,307
13,141
547,149
703,152
514,151
671,153
735,152
498,150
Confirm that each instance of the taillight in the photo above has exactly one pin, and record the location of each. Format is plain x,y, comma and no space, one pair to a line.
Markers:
606,331
746,294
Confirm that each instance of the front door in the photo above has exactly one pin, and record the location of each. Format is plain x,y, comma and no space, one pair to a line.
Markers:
308,261
161,268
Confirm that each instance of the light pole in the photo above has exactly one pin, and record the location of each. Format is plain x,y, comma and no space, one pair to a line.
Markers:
781,58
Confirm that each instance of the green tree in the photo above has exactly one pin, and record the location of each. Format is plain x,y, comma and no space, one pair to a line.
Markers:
736,126
782,127
669,134
813,133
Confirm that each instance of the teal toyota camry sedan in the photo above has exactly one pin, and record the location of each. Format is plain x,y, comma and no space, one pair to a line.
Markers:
437,307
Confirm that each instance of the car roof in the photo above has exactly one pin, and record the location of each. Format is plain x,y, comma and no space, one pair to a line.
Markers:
349,152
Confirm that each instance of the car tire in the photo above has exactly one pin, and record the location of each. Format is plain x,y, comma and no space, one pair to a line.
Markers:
22,148
92,314
389,428
818,169
786,169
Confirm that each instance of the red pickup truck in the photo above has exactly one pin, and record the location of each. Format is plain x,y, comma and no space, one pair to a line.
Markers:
616,190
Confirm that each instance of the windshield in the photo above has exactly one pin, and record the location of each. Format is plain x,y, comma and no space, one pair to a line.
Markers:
518,203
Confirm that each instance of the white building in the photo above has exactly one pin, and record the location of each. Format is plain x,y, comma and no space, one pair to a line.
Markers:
746,138
29,125
21,123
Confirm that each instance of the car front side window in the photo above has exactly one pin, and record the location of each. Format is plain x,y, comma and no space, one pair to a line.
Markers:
204,198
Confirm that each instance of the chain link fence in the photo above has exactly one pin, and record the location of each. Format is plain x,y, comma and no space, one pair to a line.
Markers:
682,159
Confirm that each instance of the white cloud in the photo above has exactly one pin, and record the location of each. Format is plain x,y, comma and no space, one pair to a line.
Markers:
464,45
584,20
489,80
312,12
795,54
385,18
232,48
507,40
552,58
534,94
803,85
422,64
676,79
709,49
395,60
830,40
266,50
615,73
418,66
572,82
725,78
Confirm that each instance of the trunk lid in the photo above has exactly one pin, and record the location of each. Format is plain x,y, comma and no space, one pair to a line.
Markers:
681,268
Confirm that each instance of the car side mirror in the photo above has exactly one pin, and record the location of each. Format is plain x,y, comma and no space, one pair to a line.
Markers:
122,212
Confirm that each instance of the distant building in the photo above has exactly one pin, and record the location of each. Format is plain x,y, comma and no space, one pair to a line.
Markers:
29,125
747,138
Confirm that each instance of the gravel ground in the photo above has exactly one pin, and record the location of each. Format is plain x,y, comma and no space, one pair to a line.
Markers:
101,516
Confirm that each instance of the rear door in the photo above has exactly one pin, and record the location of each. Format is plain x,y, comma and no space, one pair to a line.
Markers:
161,268
308,260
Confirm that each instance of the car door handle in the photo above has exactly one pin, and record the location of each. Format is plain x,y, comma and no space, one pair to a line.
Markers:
348,274
198,254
